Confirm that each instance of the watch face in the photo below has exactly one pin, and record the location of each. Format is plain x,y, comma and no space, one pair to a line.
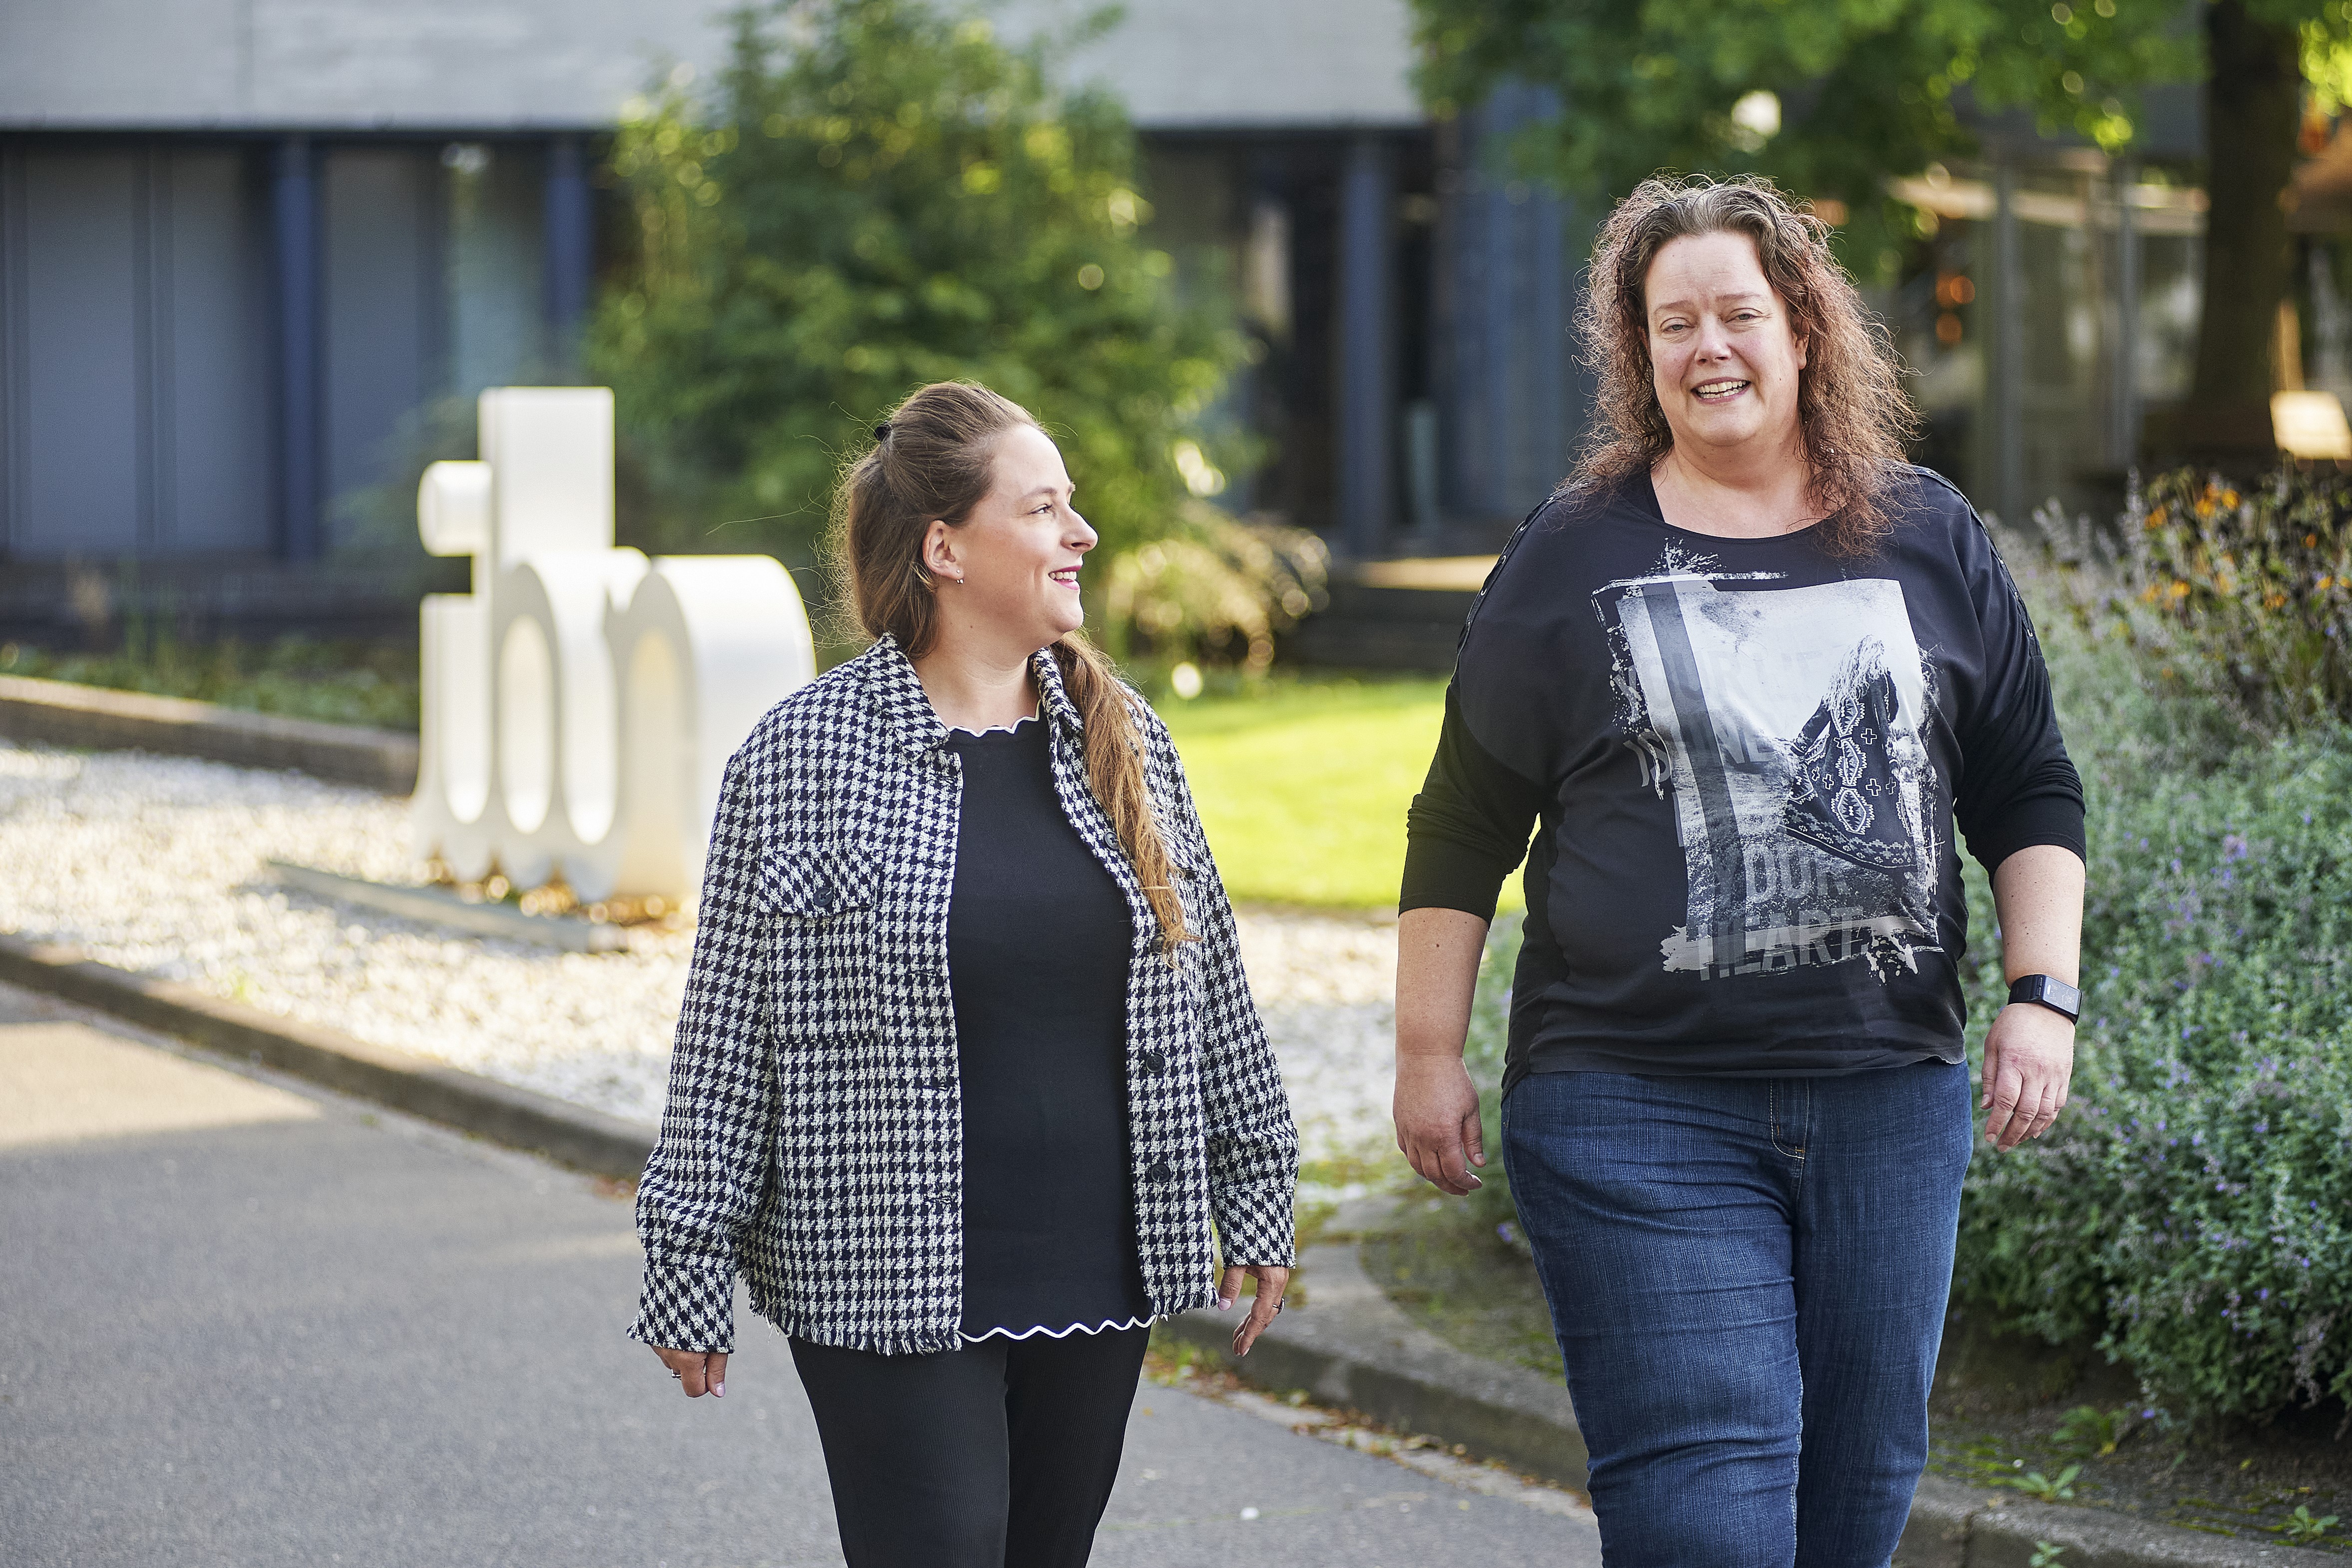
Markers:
2050,992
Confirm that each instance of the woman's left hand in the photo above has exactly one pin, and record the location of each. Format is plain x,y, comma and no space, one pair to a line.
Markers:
2029,1053
1272,1281
2029,1064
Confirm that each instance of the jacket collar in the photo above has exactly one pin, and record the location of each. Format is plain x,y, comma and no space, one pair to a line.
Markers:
1053,699
905,709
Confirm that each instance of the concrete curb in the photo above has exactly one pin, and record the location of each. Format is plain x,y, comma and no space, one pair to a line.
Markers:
569,1134
1953,1526
1346,1344
91,718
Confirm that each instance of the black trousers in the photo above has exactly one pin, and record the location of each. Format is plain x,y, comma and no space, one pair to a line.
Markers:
1002,1453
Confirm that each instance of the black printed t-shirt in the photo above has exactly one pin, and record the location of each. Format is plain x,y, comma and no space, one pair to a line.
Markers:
1743,759
1039,940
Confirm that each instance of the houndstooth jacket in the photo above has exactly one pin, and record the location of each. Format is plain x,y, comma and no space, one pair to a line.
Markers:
813,1135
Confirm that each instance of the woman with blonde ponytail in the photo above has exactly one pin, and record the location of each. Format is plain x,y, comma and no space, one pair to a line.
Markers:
968,1083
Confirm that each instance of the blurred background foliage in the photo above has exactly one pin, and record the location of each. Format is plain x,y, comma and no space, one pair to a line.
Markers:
2245,595
878,193
1829,99
1212,584
1835,100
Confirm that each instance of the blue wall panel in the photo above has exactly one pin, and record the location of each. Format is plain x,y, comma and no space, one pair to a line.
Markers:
134,381
382,280
213,365
83,415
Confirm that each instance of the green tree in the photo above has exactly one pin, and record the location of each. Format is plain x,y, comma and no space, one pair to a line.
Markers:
874,194
1834,97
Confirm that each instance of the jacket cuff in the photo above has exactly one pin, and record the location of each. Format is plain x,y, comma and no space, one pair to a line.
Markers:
687,1309
1256,1225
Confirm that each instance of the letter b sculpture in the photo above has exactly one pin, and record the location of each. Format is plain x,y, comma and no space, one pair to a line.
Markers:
580,703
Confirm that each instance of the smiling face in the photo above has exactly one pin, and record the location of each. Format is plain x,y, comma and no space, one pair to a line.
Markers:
1723,358
1011,571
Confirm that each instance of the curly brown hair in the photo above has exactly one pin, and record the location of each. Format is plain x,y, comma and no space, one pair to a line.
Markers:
1852,412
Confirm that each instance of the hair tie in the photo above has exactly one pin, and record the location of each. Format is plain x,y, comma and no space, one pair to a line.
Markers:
882,430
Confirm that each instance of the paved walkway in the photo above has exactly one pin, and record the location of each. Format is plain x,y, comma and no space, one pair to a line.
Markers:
250,1325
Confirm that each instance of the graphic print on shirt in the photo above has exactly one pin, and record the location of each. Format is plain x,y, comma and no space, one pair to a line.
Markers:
1784,724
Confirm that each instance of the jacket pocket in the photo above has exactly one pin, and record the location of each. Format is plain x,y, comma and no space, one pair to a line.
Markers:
815,882
820,904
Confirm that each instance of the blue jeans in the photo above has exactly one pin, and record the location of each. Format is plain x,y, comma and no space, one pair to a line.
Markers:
1747,1276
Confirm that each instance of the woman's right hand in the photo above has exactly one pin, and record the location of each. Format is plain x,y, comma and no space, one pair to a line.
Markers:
1437,1122
1436,1104
698,1371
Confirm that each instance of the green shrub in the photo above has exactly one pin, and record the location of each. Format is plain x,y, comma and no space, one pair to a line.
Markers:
1215,584
2188,1212
874,195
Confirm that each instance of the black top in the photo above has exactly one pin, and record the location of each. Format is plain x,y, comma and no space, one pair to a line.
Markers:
1038,942
1742,759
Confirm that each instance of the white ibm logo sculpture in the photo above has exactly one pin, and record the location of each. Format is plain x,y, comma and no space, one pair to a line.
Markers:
580,703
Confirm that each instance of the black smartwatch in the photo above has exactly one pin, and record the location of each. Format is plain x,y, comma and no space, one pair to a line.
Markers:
2056,994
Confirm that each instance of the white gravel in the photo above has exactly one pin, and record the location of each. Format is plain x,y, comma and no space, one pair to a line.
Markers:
155,864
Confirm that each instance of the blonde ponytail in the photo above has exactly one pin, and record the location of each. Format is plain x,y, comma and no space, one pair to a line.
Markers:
1115,770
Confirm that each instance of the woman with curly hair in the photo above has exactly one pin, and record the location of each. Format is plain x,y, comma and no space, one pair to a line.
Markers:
1741,675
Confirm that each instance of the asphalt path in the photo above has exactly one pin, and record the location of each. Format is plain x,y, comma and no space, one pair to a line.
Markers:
250,1324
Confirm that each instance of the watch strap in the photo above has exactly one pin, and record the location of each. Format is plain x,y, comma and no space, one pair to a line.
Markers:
2050,992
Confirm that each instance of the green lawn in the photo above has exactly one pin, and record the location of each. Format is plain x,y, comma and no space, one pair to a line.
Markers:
1303,784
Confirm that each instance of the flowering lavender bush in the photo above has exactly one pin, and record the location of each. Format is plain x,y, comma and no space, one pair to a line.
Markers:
2192,1210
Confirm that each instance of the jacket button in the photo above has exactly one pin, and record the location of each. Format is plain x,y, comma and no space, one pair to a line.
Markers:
1157,1172
1154,1062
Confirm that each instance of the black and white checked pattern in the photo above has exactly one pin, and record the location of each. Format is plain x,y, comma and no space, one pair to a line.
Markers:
814,1139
